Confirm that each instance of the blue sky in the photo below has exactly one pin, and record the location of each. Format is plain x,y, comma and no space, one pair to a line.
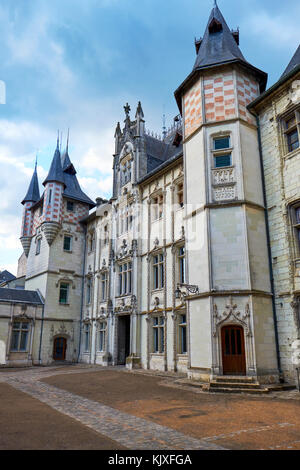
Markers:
74,63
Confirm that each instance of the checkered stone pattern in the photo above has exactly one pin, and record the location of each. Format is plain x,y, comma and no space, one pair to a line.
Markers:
193,109
53,211
219,98
248,91
27,221
37,221
74,217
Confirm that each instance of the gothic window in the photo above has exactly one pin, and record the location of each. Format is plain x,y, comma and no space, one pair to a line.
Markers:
125,278
291,129
126,173
20,334
222,152
86,335
104,281
102,336
182,335
67,243
158,334
157,207
181,264
158,271
64,293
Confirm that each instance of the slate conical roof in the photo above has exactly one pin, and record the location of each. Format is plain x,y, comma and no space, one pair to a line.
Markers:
55,173
33,193
293,63
218,44
218,47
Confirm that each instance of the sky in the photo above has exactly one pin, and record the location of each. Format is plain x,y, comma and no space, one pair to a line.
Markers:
75,64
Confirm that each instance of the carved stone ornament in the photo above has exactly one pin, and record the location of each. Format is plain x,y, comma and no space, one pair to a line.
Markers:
231,314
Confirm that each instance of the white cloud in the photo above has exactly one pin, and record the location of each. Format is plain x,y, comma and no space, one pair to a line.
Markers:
279,31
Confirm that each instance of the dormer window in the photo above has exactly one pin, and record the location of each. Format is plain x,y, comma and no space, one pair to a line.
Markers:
215,26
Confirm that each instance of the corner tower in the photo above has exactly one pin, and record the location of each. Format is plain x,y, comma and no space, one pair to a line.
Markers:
231,320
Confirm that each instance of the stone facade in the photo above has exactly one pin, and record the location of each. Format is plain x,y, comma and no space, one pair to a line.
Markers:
282,181
174,272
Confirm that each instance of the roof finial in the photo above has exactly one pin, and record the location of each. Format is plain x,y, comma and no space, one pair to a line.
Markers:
36,159
215,3
58,139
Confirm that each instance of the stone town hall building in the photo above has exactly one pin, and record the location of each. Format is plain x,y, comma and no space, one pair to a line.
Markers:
193,265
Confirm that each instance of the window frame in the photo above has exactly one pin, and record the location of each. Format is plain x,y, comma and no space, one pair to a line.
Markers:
102,336
157,207
182,330
38,246
125,278
20,336
158,271
87,337
158,330
181,259
103,286
222,152
295,216
67,291
73,206
288,130
71,244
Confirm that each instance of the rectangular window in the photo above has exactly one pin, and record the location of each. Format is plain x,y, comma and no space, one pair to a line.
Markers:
222,143
70,206
38,246
296,223
180,194
67,243
125,279
104,280
86,338
89,292
158,271
102,333
182,335
158,334
157,207
181,259
20,333
222,160
291,130
50,196
64,293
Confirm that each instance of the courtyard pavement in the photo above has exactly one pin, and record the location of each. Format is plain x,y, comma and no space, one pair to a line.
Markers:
89,407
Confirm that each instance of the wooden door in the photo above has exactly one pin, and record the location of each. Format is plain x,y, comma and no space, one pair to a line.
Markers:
59,349
233,350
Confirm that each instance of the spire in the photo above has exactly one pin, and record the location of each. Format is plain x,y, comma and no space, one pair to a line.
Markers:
139,112
293,63
218,44
118,130
55,172
65,159
33,193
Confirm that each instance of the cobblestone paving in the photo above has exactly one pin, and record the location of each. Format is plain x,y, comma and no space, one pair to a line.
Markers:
128,430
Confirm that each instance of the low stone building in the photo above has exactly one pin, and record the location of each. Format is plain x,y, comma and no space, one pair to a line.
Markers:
21,323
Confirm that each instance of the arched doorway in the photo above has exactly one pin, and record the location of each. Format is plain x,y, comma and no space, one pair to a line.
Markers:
233,350
59,349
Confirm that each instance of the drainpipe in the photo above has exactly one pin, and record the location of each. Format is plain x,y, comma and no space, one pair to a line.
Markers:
42,326
269,251
82,289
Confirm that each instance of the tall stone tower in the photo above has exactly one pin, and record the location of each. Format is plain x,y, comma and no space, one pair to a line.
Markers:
231,325
54,242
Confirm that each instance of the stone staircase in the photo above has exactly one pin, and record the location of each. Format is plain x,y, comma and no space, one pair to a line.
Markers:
234,384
